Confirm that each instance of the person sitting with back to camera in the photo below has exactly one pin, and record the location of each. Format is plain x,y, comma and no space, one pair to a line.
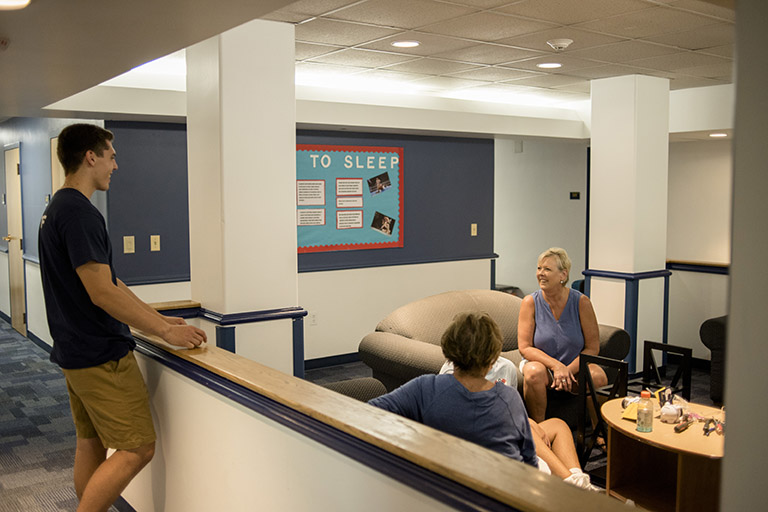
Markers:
556,325
489,413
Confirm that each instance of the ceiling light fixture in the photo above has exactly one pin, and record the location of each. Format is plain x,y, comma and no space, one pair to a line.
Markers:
406,44
718,134
11,5
549,65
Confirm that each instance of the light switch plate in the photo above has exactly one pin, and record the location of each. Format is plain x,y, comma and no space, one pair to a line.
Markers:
129,245
154,243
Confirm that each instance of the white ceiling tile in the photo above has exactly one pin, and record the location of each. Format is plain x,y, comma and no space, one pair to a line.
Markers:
432,66
317,68
607,71
494,74
687,82
699,38
341,33
363,58
719,70
444,83
386,74
721,51
484,4
550,81
431,44
286,17
648,22
407,14
581,39
309,50
487,26
568,12
624,51
488,54
581,87
705,7
678,61
316,7
569,63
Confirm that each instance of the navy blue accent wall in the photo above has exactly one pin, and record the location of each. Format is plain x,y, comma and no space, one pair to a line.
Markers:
34,138
149,196
448,186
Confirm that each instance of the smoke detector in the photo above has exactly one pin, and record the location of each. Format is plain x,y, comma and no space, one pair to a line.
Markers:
559,44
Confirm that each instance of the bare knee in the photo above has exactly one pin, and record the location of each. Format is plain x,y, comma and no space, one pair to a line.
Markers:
535,374
144,454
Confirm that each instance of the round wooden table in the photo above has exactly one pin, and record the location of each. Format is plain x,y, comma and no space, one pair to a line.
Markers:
663,470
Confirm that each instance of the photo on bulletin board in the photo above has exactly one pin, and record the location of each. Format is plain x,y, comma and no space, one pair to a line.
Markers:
348,197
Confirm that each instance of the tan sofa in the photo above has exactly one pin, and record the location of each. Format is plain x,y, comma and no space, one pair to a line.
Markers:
406,343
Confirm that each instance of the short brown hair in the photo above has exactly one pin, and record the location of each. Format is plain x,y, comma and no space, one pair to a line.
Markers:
76,140
472,342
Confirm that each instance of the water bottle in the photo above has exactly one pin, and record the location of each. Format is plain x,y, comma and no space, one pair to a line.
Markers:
645,412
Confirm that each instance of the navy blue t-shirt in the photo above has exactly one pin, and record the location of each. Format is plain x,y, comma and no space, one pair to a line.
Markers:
73,233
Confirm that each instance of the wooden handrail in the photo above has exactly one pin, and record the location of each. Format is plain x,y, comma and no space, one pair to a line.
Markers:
507,481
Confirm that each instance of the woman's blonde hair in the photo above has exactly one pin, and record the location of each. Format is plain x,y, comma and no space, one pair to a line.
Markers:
472,342
563,261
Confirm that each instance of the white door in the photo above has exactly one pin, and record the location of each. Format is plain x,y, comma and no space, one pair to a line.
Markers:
14,239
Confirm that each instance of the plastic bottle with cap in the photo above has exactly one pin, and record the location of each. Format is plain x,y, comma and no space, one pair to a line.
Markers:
645,412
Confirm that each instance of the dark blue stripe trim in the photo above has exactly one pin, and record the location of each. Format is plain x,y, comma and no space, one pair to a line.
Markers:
422,480
123,506
327,268
298,347
37,341
5,317
325,362
706,269
252,316
225,337
138,281
182,312
631,292
627,276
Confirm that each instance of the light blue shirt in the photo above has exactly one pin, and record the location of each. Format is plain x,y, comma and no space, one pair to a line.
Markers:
562,339
495,419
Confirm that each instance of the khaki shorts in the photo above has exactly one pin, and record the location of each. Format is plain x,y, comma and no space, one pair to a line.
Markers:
110,401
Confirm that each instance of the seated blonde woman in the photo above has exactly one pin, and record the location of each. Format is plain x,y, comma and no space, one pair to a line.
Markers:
491,414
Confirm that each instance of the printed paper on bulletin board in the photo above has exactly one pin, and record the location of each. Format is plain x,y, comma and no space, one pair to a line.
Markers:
348,197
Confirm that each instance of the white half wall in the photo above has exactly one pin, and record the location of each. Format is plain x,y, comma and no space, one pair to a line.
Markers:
345,305
213,454
532,206
37,321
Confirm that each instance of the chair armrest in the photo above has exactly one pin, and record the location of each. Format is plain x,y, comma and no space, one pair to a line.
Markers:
614,342
396,359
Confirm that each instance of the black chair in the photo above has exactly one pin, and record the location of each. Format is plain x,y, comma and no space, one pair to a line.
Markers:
617,372
652,374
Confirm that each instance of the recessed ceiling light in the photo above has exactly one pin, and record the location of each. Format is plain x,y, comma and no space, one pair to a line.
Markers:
406,44
9,5
549,65
718,134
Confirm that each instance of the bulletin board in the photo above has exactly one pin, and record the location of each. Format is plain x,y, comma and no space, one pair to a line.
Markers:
348,197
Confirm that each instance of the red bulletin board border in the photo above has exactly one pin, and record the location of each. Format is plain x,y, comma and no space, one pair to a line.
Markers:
401,191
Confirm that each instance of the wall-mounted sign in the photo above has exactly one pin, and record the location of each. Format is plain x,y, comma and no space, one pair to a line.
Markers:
348,197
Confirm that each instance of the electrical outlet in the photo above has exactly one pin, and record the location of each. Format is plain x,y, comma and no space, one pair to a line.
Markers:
154,243
129,245
473,229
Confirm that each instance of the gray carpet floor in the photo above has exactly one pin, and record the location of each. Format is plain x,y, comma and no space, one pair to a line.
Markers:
37,436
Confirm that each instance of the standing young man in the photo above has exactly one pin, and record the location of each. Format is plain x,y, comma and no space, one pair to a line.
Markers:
89,311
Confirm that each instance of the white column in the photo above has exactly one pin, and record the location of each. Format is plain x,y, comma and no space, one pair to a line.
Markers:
241,124
746,357
628,196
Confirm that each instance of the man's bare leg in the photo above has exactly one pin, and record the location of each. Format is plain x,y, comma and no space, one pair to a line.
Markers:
111,477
